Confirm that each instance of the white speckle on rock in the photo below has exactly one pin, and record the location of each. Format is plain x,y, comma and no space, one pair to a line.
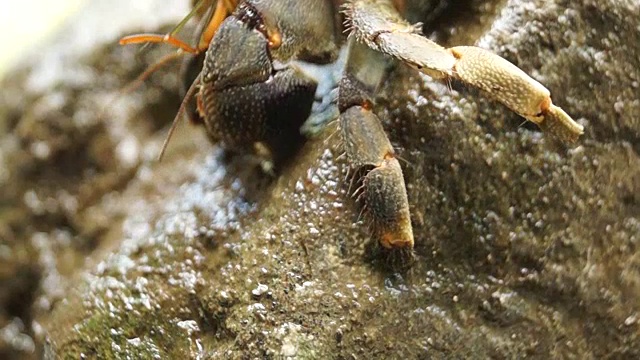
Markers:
128,151
289,349
190,325
304,286
631,320
14,335
33,202
260,290
40,150
290,334
257,307
146,303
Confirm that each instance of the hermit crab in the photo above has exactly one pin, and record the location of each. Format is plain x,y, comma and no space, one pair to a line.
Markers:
250,96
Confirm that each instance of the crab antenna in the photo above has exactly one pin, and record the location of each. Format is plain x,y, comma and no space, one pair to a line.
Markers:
166,38
179,115
184,21
158,38
138,81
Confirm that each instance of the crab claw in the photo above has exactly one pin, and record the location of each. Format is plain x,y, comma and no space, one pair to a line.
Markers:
514,88
557,122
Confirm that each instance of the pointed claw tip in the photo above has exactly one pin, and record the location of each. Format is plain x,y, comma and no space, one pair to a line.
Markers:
559,123
404,239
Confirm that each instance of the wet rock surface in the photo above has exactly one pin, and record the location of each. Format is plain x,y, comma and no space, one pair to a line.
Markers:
524,246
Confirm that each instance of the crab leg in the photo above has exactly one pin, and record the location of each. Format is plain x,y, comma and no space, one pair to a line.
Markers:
379,25
374,167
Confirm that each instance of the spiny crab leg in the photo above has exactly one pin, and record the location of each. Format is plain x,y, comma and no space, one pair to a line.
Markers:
379,25
373,162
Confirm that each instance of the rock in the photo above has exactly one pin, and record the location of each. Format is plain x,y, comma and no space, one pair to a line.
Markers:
524,246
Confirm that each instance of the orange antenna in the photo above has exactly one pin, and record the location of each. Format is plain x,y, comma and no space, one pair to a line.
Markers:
223,9
158,38
179,115
169,38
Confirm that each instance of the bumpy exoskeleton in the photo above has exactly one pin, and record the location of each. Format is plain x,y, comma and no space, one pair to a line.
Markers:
243,98
248,94
376,177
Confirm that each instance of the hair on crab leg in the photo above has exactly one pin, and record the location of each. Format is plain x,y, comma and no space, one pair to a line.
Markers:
379,25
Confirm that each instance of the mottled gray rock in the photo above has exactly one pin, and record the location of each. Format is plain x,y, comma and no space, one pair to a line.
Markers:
524,246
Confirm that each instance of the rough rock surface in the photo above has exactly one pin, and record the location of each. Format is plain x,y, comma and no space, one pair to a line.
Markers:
524,246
